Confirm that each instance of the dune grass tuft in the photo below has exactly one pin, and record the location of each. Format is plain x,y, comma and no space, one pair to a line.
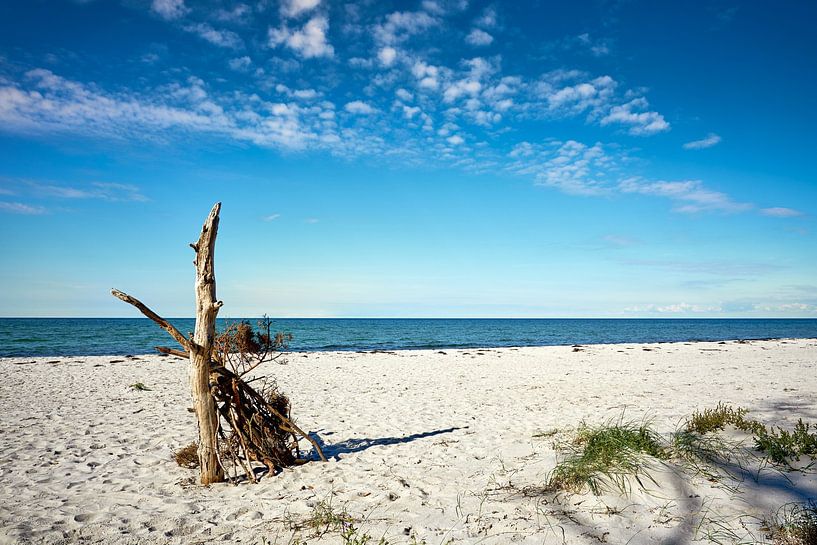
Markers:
325,518
606,456
702,449
795,524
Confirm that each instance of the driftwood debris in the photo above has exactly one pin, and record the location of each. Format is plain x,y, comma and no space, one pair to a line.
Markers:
235,420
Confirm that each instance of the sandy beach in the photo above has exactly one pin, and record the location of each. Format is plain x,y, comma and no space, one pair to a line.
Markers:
424,446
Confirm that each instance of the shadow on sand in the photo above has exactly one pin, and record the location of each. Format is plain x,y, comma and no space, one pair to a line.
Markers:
334,450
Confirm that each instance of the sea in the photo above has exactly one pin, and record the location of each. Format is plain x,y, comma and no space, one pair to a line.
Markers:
121,336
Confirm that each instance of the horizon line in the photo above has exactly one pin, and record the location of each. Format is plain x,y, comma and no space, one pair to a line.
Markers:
422,318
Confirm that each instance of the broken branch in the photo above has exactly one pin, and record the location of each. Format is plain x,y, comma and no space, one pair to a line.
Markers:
164,324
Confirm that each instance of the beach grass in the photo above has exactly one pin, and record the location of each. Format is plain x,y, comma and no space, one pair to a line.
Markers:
795,524
607,456
325,518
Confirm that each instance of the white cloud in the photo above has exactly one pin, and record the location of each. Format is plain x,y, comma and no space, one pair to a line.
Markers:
591,95
570,92
305,94
711,139
308,42
106,191
221,38
293,8
641,123
56,105
447,107
691,196
240,64
487,19
410,111
170,9
571,167
238,14
432,6
479,38
786,307
359,107
404,95
20,208
301,94
465,87
271,217
426,74
387,55
111,191
401,25
780,212
677,308
598,48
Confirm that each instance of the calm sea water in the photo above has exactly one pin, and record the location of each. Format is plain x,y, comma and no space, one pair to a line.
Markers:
93,336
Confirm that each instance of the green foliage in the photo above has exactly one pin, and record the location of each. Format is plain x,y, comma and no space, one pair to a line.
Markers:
782,445
352,536
325,518
139,387
710,420
607,455
700,449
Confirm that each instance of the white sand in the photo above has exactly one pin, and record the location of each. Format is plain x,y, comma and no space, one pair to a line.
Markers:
438,446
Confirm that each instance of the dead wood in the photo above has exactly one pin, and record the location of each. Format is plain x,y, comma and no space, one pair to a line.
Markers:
164,324
172,352
236,422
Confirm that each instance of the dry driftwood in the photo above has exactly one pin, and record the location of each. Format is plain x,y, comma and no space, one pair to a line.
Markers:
258,424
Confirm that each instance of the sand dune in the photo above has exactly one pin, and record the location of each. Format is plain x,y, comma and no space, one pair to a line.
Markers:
425,445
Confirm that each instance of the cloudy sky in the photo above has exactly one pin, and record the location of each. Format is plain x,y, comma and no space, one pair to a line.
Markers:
428,158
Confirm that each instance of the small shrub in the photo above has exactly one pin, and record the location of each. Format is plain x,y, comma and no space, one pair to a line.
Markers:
139,387
779,446
188,456
605,455
710,420
782,445
795,524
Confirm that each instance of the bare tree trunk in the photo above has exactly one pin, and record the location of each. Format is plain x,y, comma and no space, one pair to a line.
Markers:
201,348
261,423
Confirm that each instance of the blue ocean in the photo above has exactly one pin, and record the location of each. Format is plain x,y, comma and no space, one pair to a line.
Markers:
117,336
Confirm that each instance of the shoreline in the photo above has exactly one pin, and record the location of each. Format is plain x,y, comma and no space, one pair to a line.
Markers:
83,337
442,446
450,348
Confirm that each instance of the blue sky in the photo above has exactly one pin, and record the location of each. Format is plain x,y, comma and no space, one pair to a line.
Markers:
432,158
